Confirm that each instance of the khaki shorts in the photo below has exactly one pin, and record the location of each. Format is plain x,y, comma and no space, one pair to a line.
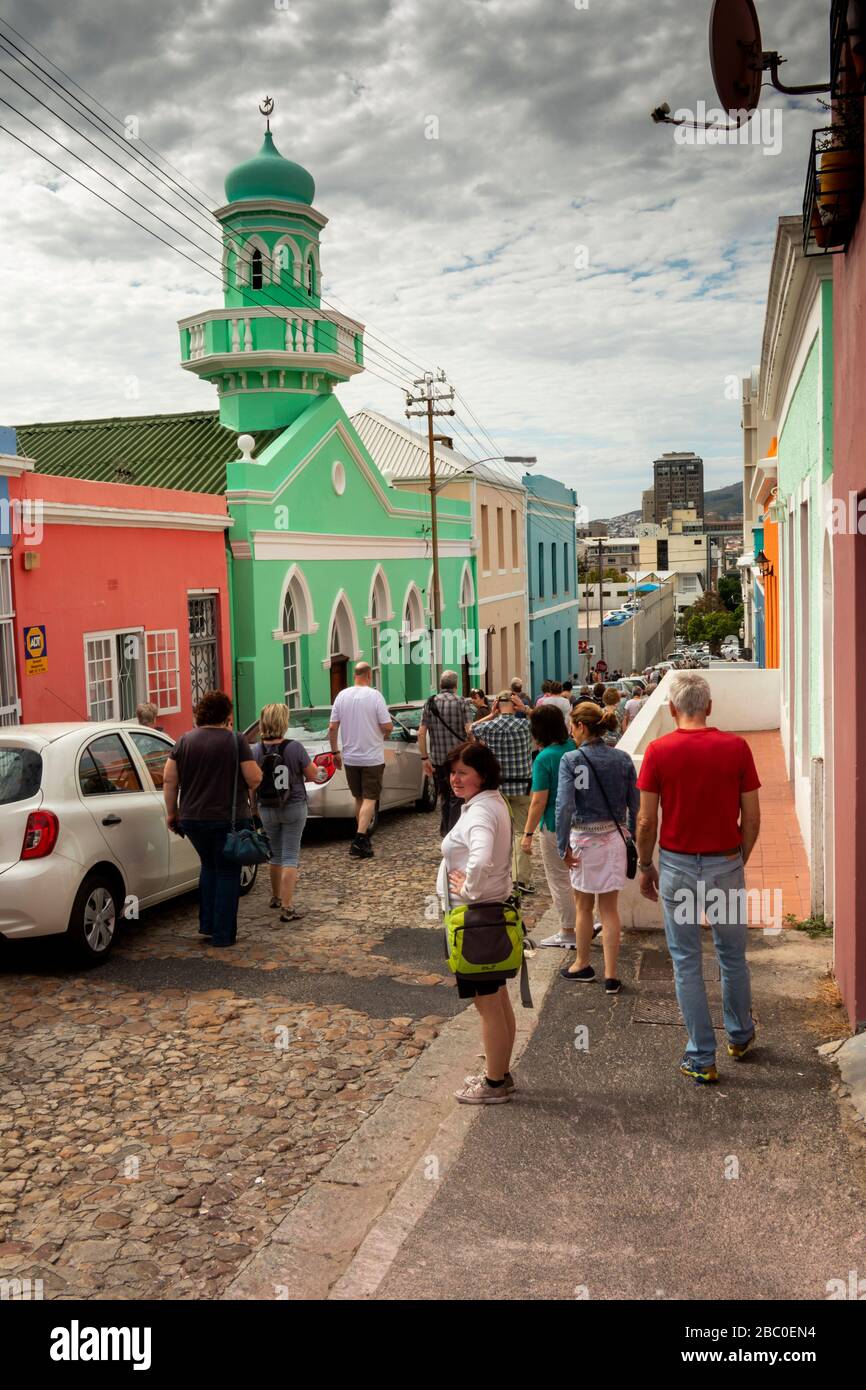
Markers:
365,782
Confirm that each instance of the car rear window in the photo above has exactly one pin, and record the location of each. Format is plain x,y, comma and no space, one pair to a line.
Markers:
20,774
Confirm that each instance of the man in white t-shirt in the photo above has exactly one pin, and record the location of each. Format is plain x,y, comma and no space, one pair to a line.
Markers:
361,718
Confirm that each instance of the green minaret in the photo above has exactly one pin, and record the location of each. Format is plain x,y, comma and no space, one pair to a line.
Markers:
271,350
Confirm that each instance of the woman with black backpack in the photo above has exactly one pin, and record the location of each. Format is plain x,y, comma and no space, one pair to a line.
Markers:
281,801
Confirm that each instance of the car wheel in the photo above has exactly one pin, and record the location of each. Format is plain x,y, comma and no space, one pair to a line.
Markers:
93,920
249,874
427,799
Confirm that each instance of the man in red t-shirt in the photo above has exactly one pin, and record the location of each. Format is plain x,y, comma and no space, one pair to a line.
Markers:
707,785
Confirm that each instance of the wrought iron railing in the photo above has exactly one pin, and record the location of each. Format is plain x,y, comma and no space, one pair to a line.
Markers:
834,189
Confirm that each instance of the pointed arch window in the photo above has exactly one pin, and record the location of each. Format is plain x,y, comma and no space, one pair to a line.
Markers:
291,652
380,609
311,277
257,278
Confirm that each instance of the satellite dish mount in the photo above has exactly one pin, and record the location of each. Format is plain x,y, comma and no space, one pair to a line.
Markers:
738,62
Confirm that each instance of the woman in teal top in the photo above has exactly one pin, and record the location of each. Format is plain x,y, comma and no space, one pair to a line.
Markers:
551,737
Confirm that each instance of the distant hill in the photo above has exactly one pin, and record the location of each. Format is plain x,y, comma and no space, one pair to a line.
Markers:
724,502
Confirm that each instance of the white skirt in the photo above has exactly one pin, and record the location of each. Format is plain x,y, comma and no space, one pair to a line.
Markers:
601,861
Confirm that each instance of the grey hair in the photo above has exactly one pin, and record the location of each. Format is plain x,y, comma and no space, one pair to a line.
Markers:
690,694
448,680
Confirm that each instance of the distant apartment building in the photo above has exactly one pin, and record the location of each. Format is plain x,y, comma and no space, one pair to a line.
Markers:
678,481
617,552
648,505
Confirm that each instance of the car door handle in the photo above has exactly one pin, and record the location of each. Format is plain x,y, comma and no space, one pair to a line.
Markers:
111,820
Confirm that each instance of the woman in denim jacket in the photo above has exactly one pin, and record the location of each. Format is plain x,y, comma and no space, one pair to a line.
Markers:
587,835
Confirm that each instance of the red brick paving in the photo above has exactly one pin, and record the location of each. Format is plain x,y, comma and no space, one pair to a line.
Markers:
779,857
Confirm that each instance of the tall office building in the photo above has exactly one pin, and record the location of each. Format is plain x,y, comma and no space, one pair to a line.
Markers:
678,481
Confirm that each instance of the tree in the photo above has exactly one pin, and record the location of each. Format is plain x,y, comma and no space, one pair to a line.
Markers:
731,591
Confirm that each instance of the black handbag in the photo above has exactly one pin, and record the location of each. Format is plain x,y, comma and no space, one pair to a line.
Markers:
630,846
249,845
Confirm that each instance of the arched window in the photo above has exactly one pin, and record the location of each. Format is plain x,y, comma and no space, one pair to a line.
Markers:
380,609
311,277
257,274
291,652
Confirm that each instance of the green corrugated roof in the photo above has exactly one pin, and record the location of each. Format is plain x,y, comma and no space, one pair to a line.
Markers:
188,451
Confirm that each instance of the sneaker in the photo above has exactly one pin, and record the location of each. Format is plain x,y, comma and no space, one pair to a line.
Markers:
508,1084
275,902
584,977
739,1050
478,1091
596,930
560,938
612,986
291,914
704,1076
360,848
528,888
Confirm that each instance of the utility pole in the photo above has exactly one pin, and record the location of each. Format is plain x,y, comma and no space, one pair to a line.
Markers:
429,398
600,603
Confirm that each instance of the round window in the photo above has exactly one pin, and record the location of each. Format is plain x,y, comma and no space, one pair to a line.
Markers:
338,478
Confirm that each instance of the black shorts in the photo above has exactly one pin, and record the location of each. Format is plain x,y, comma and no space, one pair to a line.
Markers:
467,989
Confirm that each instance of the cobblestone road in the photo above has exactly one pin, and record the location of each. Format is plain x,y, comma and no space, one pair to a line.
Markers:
162,1114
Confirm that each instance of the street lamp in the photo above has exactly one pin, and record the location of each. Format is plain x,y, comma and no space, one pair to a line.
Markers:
528,461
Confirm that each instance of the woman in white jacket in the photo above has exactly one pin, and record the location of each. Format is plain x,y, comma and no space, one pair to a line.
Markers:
476,868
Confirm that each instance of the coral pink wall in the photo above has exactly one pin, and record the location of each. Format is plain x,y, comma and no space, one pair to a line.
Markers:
849,624
94,577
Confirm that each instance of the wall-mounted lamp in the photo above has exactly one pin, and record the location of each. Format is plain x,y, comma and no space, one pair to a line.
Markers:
777,509
763,564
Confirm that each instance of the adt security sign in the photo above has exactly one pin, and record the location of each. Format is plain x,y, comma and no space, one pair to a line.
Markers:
35,651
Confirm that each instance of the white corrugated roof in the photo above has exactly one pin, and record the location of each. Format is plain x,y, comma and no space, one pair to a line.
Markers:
400,452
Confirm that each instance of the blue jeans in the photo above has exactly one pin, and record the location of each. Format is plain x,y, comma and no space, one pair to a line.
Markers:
284,826
220,883
686,888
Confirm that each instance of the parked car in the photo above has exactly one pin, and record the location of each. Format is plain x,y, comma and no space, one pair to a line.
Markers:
404,782
83,832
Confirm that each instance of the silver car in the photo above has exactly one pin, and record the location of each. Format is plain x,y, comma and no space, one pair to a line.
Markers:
403,784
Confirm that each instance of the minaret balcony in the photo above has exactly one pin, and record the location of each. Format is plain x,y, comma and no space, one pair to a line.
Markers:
288,339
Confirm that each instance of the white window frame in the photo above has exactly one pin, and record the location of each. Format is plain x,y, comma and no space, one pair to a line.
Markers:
155,691
110,635
113,695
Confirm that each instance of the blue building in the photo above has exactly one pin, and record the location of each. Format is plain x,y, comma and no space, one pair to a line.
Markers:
552,580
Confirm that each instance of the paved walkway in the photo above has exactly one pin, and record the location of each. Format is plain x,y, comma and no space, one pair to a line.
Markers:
779,858
613,1177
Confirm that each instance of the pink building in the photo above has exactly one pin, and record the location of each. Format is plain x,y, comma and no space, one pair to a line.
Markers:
119,595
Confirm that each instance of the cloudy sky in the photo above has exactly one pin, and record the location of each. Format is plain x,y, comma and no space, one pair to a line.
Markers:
591,287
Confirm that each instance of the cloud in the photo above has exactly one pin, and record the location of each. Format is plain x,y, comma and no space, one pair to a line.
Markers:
590,286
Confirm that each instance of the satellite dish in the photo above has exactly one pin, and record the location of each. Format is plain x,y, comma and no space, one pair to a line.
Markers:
736,54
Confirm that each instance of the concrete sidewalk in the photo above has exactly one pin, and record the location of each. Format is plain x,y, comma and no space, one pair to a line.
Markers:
614,1177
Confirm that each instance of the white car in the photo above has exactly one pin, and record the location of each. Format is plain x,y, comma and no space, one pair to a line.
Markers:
83,835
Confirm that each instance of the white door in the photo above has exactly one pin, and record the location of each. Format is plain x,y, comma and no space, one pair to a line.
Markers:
183,862
128,816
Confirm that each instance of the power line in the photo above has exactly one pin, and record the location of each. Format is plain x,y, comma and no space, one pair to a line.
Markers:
398,385
34,70
386,361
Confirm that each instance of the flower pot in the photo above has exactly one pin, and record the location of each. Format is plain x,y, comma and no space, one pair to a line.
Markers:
819,231
840,183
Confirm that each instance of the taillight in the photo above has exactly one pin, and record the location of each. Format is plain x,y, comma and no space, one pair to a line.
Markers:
40,834
326,761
